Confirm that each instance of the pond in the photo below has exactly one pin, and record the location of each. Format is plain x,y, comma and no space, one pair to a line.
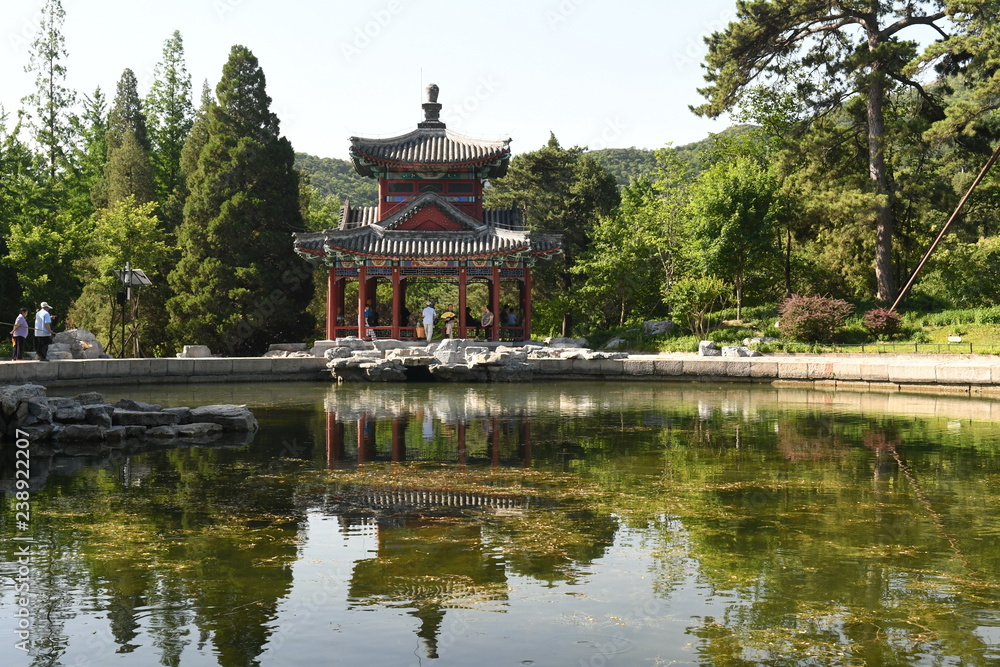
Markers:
546,524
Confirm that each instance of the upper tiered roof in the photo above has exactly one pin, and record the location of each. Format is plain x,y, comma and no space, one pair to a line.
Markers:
431,147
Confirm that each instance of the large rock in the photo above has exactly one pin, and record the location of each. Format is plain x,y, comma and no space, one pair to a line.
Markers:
98,415
143,418
657,327
11,395
559,342
67,410
183,414
707,348
458,373
195,352
137,406
78,432
31,412
80,343
739,351
229,417
90,398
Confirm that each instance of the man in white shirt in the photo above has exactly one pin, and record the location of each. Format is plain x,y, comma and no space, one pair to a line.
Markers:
429,314
43,331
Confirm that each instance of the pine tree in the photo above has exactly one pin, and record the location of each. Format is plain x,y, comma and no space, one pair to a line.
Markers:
170,116
127,170
232,285
52,101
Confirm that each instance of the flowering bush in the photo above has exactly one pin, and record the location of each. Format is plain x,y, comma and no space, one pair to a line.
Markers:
813,318
882,322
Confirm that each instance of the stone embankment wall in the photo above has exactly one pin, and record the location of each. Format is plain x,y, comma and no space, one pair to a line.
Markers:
937,373
172,370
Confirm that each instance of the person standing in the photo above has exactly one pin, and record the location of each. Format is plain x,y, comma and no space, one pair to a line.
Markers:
487,321
449,317
19,333
43,330
429,314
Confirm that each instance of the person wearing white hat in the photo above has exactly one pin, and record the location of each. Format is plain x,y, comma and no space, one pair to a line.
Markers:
429,314
43,330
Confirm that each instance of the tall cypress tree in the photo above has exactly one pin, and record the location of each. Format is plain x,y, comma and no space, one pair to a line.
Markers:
241,208
170,116
127,171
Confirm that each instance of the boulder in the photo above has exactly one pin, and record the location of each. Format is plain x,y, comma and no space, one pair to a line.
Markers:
80,343
98,415
195,352
90,398
458,373
31,412
143,418
137,406
614,343
11,395
320,347
165,431
657,327
561,342
353,343
337,352
707,348
287,347
183,414
67,411
230,417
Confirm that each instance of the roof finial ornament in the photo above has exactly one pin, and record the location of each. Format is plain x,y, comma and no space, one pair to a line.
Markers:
432,110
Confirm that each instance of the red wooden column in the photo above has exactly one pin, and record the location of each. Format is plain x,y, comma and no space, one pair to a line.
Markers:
526,304
463,282
495,303
397,303
331,302
362,298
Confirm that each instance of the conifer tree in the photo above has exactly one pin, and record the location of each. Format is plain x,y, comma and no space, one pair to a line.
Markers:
127,170
170,116
233,289
52,102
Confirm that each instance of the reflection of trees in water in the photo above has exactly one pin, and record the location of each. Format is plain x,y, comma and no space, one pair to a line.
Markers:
818,560
188,540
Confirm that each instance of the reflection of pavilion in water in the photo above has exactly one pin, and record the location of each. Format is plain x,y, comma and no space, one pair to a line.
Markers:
376,424
428,567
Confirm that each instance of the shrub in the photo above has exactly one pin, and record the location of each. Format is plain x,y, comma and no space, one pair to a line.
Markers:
813,318
694,300
882,322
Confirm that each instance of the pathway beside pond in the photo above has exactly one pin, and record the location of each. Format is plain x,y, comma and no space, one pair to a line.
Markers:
877,372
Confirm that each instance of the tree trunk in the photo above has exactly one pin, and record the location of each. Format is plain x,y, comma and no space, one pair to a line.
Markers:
884,278
788,262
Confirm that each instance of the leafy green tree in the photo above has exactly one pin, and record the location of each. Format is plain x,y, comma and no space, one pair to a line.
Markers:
170,116
564,191
732,211
850,50
52,102
694,299
20,198
234,285
622,273
337,178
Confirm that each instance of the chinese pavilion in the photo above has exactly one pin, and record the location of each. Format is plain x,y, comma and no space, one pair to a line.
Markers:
430,222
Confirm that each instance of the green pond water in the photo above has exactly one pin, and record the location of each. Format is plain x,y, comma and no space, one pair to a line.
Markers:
546,524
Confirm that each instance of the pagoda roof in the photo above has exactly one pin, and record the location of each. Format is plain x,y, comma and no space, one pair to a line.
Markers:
431,147
360,234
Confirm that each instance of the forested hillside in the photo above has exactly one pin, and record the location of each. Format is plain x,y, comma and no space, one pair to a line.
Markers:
334,177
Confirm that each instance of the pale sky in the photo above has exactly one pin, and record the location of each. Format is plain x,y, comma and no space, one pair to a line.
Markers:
599,73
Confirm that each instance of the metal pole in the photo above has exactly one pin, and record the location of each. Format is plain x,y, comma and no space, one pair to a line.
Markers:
913,276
